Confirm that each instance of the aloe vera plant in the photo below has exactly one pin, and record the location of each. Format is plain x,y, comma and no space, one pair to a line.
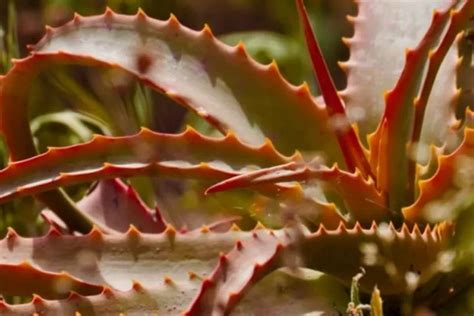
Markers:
351,173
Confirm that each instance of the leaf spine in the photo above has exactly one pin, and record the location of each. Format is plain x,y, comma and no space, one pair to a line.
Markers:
207,32
136,286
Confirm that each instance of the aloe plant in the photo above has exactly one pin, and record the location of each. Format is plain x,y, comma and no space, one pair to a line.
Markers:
351,173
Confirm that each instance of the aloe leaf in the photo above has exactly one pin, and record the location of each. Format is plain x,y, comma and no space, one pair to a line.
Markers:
267,46
459,20
219,82
451,175
24,279
351,148
349,186
184,155
395,128
382,32
407,250
117,206
303,293
116,260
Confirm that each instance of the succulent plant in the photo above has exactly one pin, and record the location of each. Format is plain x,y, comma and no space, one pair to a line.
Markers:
362,178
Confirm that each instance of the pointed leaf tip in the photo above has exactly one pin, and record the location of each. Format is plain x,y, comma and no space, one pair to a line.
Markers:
349,144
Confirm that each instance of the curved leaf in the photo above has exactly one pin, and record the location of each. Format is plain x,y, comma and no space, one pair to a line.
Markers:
451,175
382,32
352,150
313,293
184,155
220,83
361,198
408,251
117,206
396,126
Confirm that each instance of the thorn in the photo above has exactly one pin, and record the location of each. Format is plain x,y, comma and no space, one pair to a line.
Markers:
141,15
133,232
343,65
207,283
108,12
273,67
11,234
235,227
321,230
173,21
168,280
192,275
107,165
207,31
136,286
37,300
26,265
238,245
256,268
357,227
409,53
259,226
431,53
405,230
223,259
303,89
205,229
347,41
170,231
48,30
95,233
76,20
374,226
240,49
416,230
107,292
233,298
351,19
73,296
53,232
